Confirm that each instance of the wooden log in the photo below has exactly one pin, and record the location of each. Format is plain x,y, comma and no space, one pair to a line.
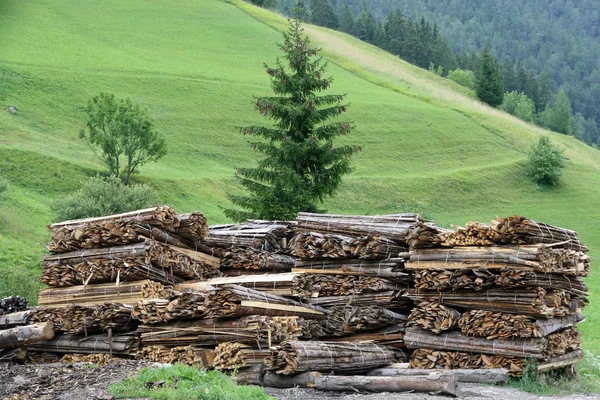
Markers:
252,375
561,361
20,335
445,383
494,376
416,338
14,319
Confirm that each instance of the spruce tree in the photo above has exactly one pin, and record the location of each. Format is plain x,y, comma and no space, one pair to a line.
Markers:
488,79
300,164
323,15
346,20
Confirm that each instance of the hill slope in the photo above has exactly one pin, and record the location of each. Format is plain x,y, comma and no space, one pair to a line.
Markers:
427,145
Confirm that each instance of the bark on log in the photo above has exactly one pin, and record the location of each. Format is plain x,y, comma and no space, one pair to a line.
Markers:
495,376
444,383
15,337
14,319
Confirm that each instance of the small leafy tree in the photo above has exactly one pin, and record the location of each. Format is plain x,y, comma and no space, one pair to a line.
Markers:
519,105
488,79
103,196
121,134
545,162
439,71
559,117
300,165
462,77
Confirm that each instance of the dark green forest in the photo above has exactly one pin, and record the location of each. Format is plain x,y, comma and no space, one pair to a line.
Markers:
544,46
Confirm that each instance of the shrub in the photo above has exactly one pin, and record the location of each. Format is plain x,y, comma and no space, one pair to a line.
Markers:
545,162
103,196
462,77
519,105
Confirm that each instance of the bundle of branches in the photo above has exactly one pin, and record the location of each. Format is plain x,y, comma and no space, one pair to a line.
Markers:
394,226
192,227
151,311
110,230
392,268
96,359
429,359
494,325
425,235
158,354
562,342
416,338
233,355
528,301
311,329
392,335
209,332
515,278
123,292
192,355
270,236
308,245
469,279
148,260
518,230
12,304
76,319
187,305
237,301
434,317
255,259
293,356
125,343
314,245
390,299
536,257
316,285
349,320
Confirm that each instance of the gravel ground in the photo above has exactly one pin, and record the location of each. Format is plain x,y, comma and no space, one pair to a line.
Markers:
85,382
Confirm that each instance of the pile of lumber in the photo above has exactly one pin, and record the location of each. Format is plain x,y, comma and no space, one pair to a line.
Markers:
491,295
312,302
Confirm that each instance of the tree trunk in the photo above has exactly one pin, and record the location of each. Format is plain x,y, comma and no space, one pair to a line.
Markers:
20,335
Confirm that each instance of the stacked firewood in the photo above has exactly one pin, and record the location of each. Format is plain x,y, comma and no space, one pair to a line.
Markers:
283,302
491,295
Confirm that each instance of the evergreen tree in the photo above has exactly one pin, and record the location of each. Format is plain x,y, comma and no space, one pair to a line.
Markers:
365,26
545,90
488,81
346,19
508,76
395,32
323,15
300,165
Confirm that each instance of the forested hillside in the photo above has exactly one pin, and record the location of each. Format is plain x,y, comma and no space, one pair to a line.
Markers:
557,37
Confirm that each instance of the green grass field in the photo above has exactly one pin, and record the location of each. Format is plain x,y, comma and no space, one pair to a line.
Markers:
428,146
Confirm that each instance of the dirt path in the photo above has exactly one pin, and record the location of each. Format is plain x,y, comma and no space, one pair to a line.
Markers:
86,382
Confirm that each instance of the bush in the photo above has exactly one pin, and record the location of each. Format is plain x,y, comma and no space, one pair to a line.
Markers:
545,162
463,78
519,105
103,196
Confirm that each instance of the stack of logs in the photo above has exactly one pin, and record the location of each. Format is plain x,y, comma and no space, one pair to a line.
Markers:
307,302
493,295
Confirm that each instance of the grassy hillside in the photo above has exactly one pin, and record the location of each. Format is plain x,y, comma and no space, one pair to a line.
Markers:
427,145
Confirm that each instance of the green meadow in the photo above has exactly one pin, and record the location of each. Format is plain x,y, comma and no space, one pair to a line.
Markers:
428,146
